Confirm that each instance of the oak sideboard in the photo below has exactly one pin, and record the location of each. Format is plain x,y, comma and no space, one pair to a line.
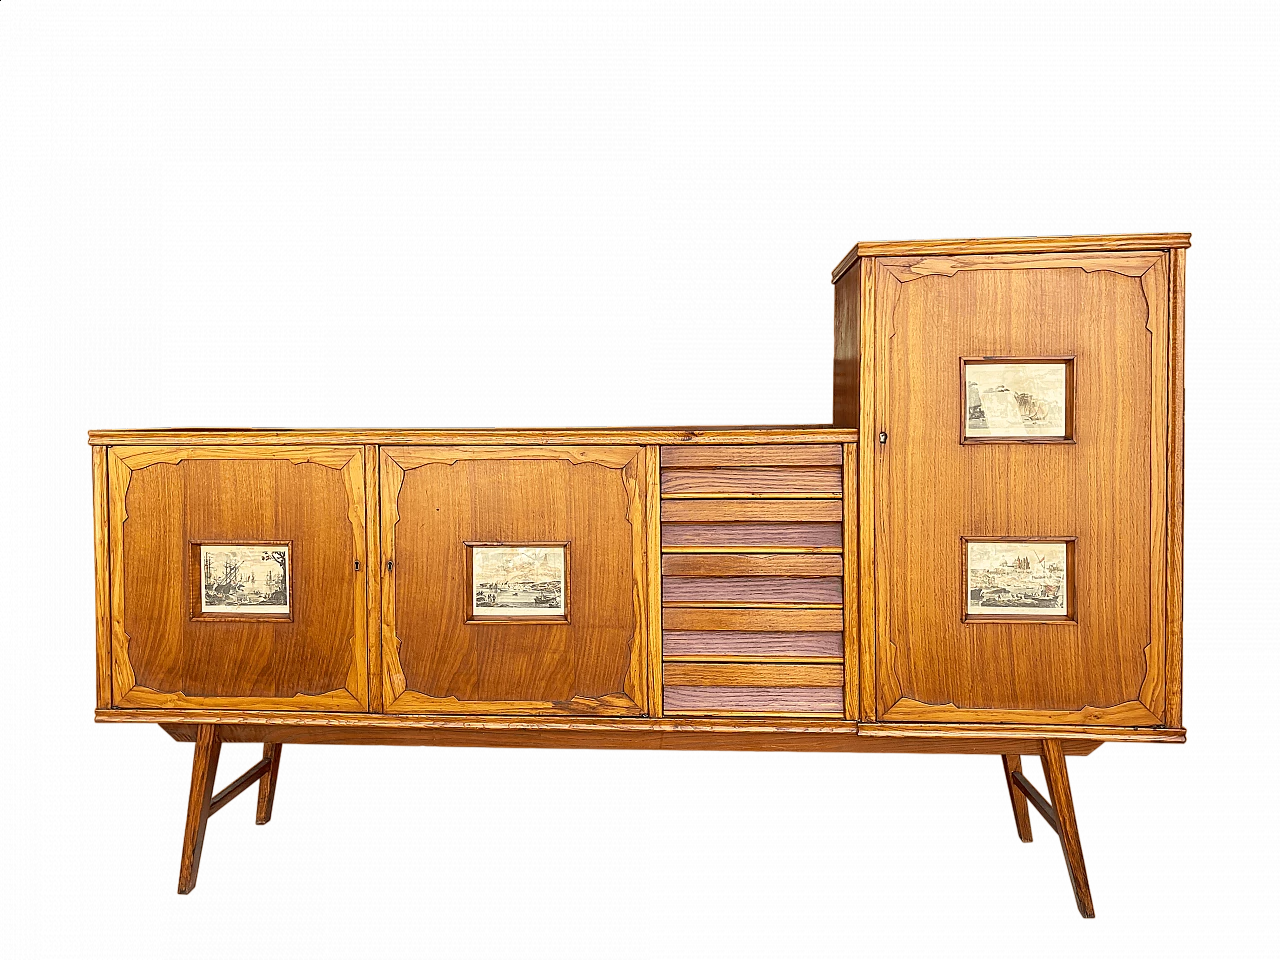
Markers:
983,554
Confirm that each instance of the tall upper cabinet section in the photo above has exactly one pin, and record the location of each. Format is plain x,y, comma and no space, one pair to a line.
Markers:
1020,404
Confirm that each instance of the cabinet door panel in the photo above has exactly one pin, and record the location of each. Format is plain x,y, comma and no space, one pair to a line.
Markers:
305,504
438,658
1102,661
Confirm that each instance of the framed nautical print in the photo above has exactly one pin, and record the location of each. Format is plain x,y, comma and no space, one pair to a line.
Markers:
1010,578
247,580
1017,399
518,582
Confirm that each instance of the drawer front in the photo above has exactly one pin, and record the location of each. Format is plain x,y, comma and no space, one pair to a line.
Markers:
753,580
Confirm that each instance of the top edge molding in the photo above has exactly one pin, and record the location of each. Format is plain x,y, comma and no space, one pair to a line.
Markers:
205,436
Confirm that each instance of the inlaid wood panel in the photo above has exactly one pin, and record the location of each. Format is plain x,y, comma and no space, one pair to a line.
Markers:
727,701
752,565
752,481
437,499
777,645
164,499
1108,490
751,535
750,590
739,455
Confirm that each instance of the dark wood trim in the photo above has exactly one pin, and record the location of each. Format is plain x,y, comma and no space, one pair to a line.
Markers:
1069,413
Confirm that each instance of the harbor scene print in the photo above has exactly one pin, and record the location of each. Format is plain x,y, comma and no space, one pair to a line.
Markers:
518,581
1015,399
244,579
1016,579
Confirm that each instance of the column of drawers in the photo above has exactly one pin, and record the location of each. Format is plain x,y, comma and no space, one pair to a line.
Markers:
752,588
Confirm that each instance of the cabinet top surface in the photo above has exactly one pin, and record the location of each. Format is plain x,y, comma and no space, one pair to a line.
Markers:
1099,242
214,436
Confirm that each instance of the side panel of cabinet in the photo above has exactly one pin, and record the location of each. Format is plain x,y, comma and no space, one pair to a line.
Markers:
442,657
272,615
1102,493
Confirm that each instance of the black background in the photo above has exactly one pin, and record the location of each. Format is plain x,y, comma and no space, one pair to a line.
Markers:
544,312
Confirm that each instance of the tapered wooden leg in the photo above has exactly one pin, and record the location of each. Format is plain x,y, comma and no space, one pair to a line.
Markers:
1021,816
203,770
267,785
1055,774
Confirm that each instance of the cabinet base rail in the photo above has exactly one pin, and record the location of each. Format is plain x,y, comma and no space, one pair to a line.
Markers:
1057,810
204,803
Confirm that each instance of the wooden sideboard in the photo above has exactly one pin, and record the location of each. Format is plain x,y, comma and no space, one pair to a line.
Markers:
982,555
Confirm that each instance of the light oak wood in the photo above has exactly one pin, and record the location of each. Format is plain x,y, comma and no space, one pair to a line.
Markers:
1055,773
437,499
754,674
760,481
102,577
267,785
655,568
752,454
826,621
777,511
683,733
799,434
161,499
1012,763
203,770
752,565
1000,245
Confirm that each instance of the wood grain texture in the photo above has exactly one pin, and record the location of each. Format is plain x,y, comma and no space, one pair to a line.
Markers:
1107,490
162,499
752,565
267,785
795,734
1177,403
775,511
852,659
753,674
373,579
740,643
435,500
871,401
826,701
999,245
1012,763
803,621
101,579
847,365
751,535
750,590
655,564
906,269
204,769
761,481
795,434
742,455
1055,774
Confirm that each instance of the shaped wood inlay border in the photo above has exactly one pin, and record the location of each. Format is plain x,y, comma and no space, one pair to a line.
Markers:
122,463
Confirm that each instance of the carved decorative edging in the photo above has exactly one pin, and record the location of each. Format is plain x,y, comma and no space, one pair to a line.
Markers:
1150,269
122,463
398,699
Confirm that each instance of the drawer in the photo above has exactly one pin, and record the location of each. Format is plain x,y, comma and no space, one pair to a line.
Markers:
772,633
752,481
764,688
772,535
753,590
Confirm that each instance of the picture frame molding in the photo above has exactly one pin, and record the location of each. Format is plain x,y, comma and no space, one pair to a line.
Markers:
195,583
1068,617
1069,406
469,614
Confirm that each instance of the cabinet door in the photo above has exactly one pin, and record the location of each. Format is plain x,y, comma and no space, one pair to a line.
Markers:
1020,539
238,577
514,580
